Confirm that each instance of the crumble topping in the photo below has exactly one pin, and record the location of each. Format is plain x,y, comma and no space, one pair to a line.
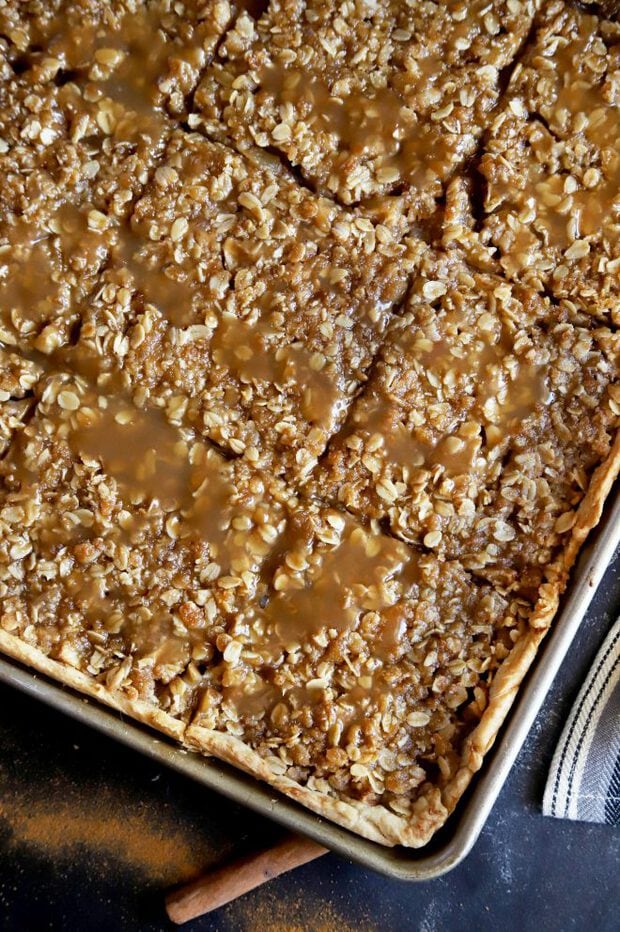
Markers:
484,415
125,540
364,97
47,269
367,665
552,165
269,461
200,584
142,54
247,305
87,104
18,376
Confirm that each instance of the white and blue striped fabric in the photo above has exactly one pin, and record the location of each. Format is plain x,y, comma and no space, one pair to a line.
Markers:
584,780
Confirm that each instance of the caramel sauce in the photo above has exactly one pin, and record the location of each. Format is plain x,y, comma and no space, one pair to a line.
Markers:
351,580
70,42
246,350
501,402
209,513
512,399
322,401
149,460
134,81
31,290
87,591
577,97
380,126
172,298
37,260
602,131
392,631
130,77
252,704
481,360
348,583
155,637
93,367
400,445
137,447
84,250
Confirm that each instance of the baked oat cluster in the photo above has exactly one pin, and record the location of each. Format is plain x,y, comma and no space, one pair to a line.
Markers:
308,370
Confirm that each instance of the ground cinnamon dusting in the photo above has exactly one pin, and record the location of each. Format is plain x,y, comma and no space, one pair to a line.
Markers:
152,844
296,911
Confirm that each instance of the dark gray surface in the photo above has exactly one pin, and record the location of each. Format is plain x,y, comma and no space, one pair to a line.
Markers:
91,834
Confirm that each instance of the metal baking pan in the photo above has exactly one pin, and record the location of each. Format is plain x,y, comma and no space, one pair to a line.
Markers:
455,840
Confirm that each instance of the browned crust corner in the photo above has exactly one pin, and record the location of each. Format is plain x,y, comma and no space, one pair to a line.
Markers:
373,822
511,673
75,679
434,806
376,823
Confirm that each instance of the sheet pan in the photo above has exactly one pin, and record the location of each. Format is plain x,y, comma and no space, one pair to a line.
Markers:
452,844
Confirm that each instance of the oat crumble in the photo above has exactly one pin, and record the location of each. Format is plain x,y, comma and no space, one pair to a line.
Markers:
364,97
304,414
484,415
551,164
249,306
137,535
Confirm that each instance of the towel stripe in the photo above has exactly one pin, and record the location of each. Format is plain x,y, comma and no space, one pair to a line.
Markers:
612,803
584,779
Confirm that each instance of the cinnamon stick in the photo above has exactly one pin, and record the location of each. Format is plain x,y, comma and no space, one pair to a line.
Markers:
226,883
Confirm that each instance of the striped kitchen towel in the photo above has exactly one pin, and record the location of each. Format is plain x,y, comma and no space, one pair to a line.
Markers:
584,780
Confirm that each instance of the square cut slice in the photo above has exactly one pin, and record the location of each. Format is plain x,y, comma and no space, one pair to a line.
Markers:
363,671
58,145
146,54
65,141
247,305
125,542
481,424
88,110
365,98
49,263
551,165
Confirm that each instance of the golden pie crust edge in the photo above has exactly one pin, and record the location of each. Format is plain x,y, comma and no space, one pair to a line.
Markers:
376,823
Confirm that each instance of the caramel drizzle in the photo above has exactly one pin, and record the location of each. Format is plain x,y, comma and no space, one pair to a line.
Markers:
248,351
150,460
137,447
380,126
172,297
555,205
125,63
364,573
37,261
31,291
351,580
503,400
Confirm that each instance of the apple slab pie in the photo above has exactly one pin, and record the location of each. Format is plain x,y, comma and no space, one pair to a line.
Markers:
308,371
